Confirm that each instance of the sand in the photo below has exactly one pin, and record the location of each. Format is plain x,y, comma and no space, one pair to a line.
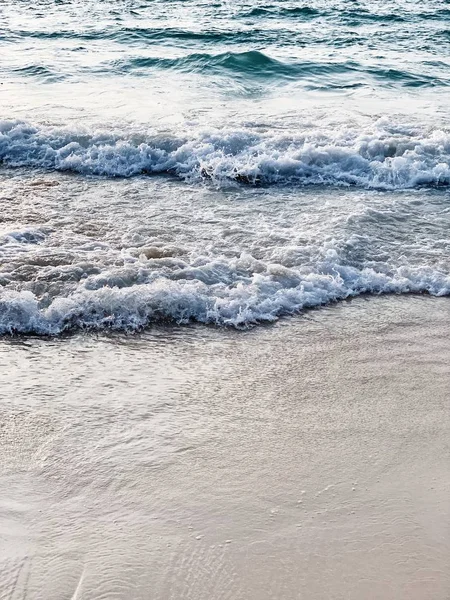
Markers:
305,460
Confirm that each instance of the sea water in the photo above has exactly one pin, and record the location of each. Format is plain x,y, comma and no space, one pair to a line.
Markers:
219,162
167,165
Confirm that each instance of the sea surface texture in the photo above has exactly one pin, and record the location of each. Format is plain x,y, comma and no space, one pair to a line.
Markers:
227,163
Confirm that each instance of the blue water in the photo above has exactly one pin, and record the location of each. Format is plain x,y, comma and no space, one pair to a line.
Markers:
227,163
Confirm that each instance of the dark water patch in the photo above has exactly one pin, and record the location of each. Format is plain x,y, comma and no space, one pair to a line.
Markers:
435,15
406,78
445,33
334,86
436,63
361,16
272,11
40,72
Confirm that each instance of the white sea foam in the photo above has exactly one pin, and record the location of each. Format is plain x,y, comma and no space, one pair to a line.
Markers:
188,296
125,270
382,155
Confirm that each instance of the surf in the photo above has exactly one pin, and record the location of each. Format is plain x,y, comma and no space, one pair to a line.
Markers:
378,158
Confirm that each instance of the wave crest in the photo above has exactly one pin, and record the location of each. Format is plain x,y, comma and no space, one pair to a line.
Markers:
383,157
256,298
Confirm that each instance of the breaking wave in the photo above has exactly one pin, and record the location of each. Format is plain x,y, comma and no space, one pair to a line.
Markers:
384,156
220,293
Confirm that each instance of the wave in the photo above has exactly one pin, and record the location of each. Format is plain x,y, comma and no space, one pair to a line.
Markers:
382,157
243,64
252,66
256,64
220,293
280,36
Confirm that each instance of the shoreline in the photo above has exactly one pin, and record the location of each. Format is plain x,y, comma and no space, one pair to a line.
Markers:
308,459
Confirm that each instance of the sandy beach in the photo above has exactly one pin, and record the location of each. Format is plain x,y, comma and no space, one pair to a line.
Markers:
304,460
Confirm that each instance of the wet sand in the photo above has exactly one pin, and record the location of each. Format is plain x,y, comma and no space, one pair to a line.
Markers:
305,460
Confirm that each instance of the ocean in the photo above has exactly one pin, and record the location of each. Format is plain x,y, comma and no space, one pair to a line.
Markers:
224,281
216,162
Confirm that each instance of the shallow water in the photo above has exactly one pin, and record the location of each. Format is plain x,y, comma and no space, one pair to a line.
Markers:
303,460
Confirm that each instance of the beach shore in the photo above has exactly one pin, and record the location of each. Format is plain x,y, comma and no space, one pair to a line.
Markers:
309,459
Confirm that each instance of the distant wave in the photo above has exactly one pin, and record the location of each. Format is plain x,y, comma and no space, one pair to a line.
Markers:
128,35
256,64
247,63
379,157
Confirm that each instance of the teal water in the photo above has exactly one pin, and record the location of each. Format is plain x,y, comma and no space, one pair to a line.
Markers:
324,45
381,44
276,156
